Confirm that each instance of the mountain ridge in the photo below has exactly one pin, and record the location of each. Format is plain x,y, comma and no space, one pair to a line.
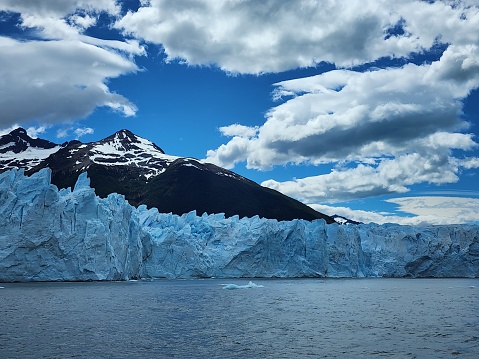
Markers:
140,170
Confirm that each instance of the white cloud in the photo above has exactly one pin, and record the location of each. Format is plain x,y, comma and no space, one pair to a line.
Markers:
360,215
227,155
77,132
6,131
33,132
84,22
63,132
54,19
443,209
452,22
403,125
60,29
65,82
384,176
389,176
238,130
82,131
423,210
469,163
272,36
268,36
60,8
351,115
68,77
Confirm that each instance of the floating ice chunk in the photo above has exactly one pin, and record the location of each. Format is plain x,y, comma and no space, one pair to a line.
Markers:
246,286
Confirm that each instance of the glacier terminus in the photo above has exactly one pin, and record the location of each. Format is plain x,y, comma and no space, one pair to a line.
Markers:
48,234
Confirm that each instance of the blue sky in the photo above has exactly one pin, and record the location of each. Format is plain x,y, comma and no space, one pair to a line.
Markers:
367,110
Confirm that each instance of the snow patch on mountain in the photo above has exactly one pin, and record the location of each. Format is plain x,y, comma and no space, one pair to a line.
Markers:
27,159
126,149
10,144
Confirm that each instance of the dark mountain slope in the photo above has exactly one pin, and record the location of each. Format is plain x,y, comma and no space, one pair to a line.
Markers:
183,188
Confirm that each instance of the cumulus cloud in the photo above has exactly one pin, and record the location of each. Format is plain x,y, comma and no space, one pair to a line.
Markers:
353,115
269,36
239,130
389,176
65,82
381,130
77,132
462,210
272,36
60,74
82,131
33,132
421,210
7,130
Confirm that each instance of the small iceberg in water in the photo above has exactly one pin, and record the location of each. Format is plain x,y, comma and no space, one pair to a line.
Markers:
246,286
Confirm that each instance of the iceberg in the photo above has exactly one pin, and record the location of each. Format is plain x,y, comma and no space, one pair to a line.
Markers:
245,286
48,234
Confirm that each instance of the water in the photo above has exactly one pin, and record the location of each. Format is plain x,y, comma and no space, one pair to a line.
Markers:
357,318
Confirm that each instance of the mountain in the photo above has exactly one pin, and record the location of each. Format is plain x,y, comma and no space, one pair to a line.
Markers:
18,150
141,171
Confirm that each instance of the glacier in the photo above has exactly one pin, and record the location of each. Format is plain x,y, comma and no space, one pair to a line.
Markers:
48,234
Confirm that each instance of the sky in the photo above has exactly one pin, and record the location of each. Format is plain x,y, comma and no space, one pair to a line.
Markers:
367,109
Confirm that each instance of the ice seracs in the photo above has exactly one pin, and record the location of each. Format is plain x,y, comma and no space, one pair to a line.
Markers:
47,234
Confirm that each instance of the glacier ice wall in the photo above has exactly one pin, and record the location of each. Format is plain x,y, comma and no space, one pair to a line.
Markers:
214,246
46,234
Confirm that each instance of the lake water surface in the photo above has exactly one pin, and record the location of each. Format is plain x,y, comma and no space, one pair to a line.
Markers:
300,318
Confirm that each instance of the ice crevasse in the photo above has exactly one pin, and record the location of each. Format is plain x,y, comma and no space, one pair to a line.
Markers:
48,234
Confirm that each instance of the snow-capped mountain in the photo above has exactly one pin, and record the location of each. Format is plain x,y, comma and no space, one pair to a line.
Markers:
18,150
123,148
140,170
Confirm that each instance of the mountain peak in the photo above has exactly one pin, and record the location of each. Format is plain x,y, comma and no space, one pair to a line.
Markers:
19,131
124,134
18,140
126,141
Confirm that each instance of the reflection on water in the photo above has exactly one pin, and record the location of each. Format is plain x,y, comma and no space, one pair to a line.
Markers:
351,318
